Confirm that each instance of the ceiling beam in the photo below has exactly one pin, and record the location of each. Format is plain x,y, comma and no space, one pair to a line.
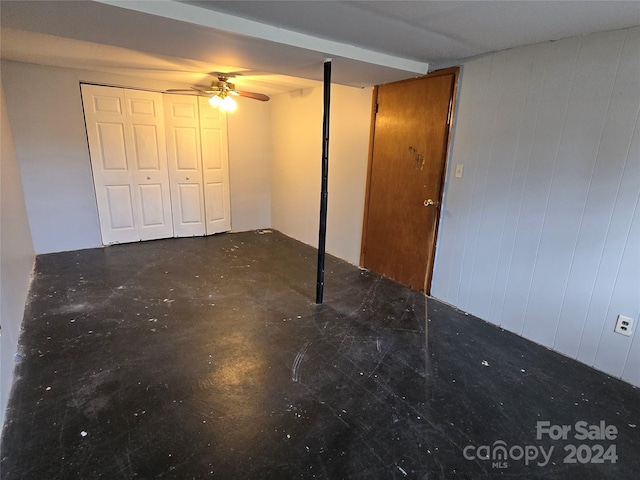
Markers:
228,23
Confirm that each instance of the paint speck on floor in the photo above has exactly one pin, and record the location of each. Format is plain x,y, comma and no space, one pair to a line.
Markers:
485,363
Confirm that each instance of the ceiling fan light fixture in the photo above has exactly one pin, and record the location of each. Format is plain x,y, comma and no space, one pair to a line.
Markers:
223,101
215,101
228,104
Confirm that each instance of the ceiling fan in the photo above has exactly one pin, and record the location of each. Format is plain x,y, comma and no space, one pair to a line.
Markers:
221,91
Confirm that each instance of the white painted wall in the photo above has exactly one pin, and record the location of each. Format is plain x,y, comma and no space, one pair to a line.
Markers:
16,256
45,111
542,234
296,120
250,165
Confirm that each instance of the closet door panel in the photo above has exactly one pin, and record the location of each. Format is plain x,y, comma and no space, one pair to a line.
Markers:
111,148
187,150
145,141
215,164
185,164
152,205
216,202
190,199
145,144
106,124
120,207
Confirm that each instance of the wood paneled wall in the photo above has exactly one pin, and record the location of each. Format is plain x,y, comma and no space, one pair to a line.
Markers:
542,234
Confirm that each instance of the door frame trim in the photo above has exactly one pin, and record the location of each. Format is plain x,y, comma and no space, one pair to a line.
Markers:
455,71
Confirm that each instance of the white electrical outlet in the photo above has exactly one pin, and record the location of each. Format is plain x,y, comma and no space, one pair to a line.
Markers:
624,325
459,169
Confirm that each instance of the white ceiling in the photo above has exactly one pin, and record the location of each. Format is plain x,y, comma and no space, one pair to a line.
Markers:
369,42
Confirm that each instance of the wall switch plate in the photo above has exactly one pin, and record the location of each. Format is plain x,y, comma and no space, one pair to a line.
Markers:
459,168
624,325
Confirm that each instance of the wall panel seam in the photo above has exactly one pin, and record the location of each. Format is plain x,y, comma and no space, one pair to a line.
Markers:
553,177
524,186
504,223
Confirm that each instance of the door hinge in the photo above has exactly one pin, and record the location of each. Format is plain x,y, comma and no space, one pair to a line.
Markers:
377,106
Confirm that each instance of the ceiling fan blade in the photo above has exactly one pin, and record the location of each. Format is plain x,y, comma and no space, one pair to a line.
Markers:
254,96
180,90
205,92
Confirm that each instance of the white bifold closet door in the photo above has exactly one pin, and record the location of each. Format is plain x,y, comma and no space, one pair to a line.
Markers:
125,129
160,164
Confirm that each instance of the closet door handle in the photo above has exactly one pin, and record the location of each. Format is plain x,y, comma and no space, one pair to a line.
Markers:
148,178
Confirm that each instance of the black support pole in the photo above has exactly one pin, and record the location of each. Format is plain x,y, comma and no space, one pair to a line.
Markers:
322,236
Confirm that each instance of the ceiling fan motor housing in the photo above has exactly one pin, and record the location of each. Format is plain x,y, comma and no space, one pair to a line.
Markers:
222,85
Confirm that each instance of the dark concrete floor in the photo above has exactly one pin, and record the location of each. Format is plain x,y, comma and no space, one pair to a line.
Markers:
207,358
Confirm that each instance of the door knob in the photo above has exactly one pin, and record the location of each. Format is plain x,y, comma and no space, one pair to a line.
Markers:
148,178
187,178
429,203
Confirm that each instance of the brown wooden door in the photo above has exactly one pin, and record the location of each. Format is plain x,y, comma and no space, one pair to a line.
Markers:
406,171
